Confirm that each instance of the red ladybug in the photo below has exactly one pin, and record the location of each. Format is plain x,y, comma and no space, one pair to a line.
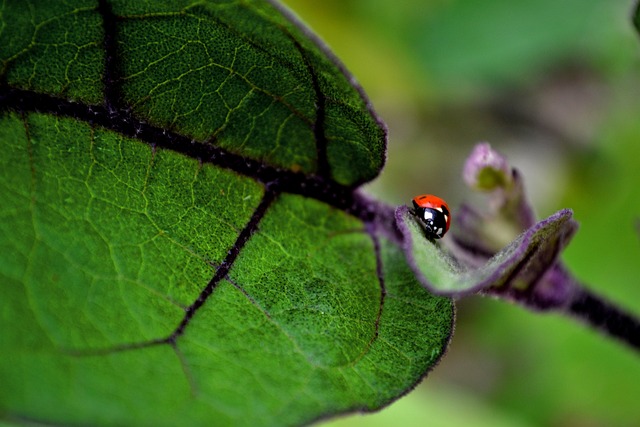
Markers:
433,213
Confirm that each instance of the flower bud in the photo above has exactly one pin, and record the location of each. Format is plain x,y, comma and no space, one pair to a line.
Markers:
486,169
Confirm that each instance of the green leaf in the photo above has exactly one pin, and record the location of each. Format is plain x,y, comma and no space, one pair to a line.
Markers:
236,75
182,241
518,266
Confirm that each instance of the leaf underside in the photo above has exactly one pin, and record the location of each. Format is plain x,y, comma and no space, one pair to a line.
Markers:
178,233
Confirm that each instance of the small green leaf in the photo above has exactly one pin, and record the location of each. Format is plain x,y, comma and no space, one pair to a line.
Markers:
517,266
183,241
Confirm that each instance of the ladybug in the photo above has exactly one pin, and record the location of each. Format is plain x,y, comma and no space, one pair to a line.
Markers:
433,213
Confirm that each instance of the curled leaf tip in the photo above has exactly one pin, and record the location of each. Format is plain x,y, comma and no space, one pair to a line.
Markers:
526,270
501,251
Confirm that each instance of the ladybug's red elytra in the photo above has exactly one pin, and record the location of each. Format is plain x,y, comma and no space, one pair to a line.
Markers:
433,213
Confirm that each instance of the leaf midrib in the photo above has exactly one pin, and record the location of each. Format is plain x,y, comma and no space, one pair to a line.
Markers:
127,125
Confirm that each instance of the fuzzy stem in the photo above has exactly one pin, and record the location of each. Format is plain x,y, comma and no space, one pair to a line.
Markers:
606,317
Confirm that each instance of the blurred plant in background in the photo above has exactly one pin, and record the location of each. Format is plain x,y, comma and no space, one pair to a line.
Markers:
556,87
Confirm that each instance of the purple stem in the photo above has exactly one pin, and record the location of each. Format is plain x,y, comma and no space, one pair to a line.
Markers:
600,314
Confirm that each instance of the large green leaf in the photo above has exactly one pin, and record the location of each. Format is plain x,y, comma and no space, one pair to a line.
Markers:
181,235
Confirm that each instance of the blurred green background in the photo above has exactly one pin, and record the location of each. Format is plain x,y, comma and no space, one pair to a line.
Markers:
555,85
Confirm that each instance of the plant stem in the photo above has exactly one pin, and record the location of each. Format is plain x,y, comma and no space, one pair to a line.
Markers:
605,316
